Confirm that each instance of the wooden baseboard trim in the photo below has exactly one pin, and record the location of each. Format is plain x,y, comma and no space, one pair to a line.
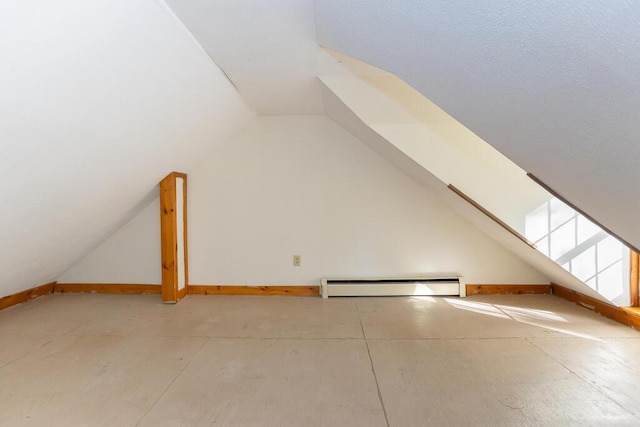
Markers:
298,291
507,289
136,289
625,315
27,295
107,288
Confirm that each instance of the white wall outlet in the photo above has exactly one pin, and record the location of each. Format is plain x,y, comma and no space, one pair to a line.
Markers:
297,259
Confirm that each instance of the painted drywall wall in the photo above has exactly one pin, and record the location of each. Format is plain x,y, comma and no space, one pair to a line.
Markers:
551,84
338,111
303,185
130,255
439,143
100,100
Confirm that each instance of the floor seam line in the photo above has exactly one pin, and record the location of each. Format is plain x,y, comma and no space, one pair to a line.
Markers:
594,387
70,333
28,352
172,382
373,370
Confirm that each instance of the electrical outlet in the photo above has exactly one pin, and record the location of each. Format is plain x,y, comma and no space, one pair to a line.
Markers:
297,259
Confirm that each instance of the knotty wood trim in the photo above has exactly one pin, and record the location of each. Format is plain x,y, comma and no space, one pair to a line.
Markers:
580,211
634,281
490,215
184,292
307,290
507,289
107,288
624,315
27,295
169,238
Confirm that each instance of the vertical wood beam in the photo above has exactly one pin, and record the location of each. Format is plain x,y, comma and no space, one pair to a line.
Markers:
184,291
634,282
168,239
171,293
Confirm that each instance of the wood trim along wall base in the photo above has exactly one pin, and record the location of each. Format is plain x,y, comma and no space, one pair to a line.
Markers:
298,291
507,289
27,295
626,316
107,288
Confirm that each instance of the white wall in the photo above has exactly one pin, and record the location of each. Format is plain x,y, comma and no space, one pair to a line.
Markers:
130,255
99,101
550,84
338,111
303,185
439,143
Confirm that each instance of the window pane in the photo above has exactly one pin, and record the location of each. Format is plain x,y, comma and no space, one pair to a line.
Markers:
610,282
563,240
586,229
584,265
559,212
609,251
536,224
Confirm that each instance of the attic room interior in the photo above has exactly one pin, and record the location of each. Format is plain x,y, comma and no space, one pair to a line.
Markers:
319,213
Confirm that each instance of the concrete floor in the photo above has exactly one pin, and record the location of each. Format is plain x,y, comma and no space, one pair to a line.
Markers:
114,360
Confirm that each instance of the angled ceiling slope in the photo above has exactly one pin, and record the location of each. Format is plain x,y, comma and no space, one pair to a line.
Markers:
100,101
351,116
552,85
267,48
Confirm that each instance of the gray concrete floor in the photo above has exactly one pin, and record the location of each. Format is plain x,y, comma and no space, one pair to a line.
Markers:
116,360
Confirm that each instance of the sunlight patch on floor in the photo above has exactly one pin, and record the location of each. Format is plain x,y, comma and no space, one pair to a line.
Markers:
540,318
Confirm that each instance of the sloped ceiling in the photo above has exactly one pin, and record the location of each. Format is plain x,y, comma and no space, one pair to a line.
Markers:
553,85
267,48
99,101
337,109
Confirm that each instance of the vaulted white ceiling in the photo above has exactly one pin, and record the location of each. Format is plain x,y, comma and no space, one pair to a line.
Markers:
551,84
267,48
98,102
129,90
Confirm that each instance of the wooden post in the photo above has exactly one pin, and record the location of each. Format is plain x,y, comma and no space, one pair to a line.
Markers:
173,237
634,283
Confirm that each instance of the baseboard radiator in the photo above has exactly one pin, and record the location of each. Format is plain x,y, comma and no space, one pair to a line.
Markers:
446,285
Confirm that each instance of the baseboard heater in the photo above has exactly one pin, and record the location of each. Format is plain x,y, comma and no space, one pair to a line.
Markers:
448,285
